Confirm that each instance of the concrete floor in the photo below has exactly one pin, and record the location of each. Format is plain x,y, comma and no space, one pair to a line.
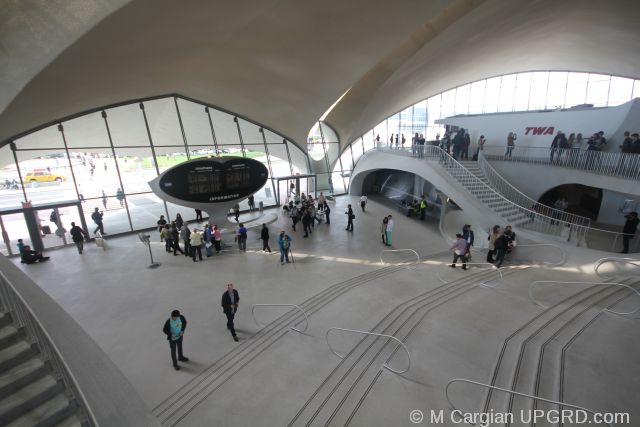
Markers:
276,376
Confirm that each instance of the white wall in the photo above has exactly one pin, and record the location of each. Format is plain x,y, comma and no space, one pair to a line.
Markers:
537,129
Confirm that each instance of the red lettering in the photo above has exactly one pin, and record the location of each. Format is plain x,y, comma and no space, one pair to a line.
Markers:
538,130
549,131
527,130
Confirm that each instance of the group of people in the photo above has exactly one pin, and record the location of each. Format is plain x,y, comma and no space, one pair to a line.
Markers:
178,231
309,212
501,242
416,207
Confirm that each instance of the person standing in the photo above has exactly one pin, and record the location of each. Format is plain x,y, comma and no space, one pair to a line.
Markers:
502,246
241,237
195,240
175,241
96,216
383,229
284,244
217,239
423,207
207,236
493,235
264,236
629,230
511,143
252,203
306,221
161,223
363,201
390,225
480,147
120,197
185,236
327,211
174,329
459,251
167,236
321,200
467,235
179,221
78,235
104,199
198,215
350,217
230,299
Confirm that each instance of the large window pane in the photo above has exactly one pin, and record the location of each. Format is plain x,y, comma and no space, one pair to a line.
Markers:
557,89
576,89
164,124
380,130
137,168
492,95
393,127
538,95
620,90
476,97
298,159
463,94
406,120
86,131
356,148
195,121
419,119
126,125
598,90
507,92
367,140
448,103
225,127
521,95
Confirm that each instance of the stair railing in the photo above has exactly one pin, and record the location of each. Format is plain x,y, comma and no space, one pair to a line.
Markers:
22,315
512,193
597,416
608,310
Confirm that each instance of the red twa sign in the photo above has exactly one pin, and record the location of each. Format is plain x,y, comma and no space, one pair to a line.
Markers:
539,130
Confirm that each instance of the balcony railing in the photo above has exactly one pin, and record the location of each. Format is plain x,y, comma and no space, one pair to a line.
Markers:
623,165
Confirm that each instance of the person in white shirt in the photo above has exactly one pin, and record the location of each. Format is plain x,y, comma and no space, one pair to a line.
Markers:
389,230
363,201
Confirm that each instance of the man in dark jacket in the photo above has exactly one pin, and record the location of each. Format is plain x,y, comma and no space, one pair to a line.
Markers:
350,217
174,330
467,235
78,235
229,304
502,245
629,230
264,235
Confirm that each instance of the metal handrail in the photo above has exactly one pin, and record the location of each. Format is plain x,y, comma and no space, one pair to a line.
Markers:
598,263
543,223
517,393
624,165
385,365
37,332
512,193
564,253
532,298
399,250
281,305
493,266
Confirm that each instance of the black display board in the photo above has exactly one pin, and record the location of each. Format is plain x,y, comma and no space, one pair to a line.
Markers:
214,179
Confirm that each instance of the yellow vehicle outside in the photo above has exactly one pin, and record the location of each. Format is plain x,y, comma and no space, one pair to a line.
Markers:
43,176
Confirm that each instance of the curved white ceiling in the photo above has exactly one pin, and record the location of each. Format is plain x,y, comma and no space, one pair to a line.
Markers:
282,63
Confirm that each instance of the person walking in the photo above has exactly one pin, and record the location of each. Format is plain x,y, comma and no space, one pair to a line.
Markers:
207,236
467,234
78,235
217,239
252,203
390,225
383,229
230,299
502,246
236,211
195,241
363,201
167,236
629,230
161,223
97,216
306,221
350,217
264,236
174,329
104,199
459,251
120,197
185,236
241,238
284,244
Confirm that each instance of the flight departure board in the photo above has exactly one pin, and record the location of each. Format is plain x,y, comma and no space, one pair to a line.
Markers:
214,180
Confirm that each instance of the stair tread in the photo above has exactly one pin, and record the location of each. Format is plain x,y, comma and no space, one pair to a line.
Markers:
20,371
72,421
26,393
7,330
42,412
11,351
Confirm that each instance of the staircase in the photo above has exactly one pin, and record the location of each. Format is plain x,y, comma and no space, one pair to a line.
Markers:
481,189
31,395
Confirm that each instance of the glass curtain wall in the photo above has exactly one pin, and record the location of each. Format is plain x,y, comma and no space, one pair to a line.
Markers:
106,158
527,91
